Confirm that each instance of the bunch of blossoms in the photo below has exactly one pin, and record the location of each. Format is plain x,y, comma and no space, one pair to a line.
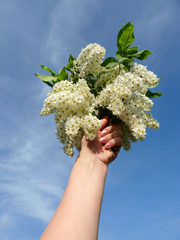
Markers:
88,61
73,107
125,96
88,88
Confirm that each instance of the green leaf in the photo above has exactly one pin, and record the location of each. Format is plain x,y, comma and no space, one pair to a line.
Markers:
131,50
103,72
107,61
49,84
125,37
119,57
71,58
49,70
142,54
70,63
120,33
46,78
111,65
63,75
126,63
150,94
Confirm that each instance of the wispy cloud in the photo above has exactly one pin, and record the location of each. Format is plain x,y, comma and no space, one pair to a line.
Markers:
68,19
33,168
168,223
32,178
156,20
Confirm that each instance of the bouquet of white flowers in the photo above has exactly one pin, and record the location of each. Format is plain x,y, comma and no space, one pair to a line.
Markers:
88,88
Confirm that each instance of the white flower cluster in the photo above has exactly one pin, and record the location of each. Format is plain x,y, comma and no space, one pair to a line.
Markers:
89,60
125,97
123,93
73,107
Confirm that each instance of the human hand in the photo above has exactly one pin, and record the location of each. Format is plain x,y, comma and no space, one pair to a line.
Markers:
106,146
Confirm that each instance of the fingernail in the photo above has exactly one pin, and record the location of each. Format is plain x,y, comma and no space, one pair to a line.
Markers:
107,146
102,139
103,133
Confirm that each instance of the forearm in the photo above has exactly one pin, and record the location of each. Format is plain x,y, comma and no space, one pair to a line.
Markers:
77,216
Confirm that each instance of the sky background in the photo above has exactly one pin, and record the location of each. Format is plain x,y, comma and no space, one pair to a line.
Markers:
142,197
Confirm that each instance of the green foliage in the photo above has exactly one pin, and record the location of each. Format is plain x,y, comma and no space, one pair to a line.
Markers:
125,37
142,55
70,63
46,78
111,65
150,94
49,70
131,50
125,53
120,58
107,61
63,75
126,63
49,84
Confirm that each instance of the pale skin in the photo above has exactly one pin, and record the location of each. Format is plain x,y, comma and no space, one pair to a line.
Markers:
77,216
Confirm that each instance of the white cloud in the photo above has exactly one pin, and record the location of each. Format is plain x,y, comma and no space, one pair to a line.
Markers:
156,20
173,223
34,171
14,22
5,219
68,19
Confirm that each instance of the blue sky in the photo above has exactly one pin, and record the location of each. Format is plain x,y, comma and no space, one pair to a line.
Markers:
141,199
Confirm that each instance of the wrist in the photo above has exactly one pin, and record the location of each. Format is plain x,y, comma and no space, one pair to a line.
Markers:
91,162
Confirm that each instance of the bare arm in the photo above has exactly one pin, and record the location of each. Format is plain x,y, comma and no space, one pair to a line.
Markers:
77,216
